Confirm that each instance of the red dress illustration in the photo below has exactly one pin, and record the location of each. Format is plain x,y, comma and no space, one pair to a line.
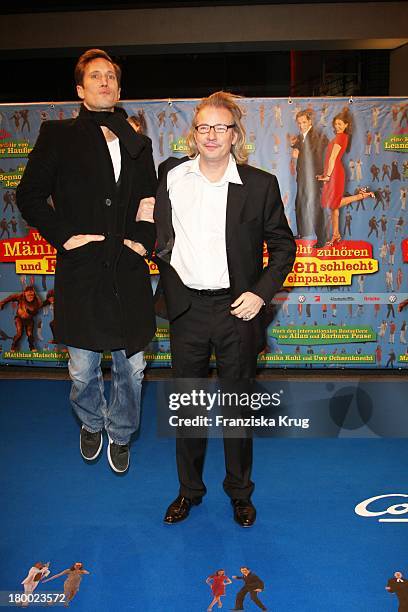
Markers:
333,190
218,585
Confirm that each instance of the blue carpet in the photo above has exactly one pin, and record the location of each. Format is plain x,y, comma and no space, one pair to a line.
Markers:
310,548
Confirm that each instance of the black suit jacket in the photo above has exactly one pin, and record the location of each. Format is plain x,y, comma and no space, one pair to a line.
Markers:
101,284
252,582
309,164
254,215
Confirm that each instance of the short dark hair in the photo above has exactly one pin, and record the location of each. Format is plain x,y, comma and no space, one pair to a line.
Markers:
89,56
305,113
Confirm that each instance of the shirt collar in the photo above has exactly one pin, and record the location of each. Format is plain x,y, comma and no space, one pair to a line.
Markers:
306,133
231,174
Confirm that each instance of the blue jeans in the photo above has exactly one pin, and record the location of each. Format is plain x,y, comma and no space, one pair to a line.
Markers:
121,415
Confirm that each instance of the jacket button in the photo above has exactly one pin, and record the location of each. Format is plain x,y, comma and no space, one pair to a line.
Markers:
108,201
105,264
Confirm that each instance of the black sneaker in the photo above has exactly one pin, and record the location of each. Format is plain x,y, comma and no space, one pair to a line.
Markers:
90,444
118,456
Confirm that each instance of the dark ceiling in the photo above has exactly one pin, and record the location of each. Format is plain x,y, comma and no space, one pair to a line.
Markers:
53,6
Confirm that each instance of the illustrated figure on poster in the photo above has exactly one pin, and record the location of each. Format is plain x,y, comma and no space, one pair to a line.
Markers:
253,585
13,223
403,198
402,305
162,118
308,151
375,111
391,360
217,581
361,280
398,279
387,197
379,199
49,301
261,111
44,116
389,280
35,575
404,115
347,223
377,142
360,310
278,115
174,118
369,140
24,116
391,250
72,582
352,168
323,116
377,309
161,142
400,222
393,328
359,170
378,355
375,171
16,118
138,122
373,226
214,294
334,175
395,173
4,226
405,170
360,202
61,114
390,310
383,224
8,201
383,328
386,171
403,332
28,305
102,228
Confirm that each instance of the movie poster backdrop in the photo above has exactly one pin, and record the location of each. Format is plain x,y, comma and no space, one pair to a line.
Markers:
338,306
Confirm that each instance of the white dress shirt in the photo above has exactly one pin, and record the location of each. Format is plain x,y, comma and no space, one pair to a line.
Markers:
198,214
114,150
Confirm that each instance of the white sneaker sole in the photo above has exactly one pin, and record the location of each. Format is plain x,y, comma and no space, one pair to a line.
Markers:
115,469
97,452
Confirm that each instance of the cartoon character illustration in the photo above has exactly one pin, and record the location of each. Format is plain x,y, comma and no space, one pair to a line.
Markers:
217,582
253,585
28,305
72,582
36,573
399,585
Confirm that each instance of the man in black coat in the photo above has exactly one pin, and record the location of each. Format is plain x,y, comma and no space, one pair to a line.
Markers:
82,187
308,149
399,585
253,586
213,213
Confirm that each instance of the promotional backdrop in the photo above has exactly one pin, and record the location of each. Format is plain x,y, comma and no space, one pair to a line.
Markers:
339,305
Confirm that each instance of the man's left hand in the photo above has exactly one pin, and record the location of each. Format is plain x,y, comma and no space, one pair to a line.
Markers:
247,306
137,247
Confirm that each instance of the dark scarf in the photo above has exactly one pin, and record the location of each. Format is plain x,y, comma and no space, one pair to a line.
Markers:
116,122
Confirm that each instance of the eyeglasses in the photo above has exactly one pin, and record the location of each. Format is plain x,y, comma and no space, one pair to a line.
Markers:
219,128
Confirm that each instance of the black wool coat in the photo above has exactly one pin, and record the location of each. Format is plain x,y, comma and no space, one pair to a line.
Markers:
103,296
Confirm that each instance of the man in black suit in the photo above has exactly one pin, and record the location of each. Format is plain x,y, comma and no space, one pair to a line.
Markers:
213,213
399,585
97,170
253,586
308,149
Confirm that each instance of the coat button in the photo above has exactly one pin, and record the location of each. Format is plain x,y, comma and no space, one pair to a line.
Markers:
105,264
108,201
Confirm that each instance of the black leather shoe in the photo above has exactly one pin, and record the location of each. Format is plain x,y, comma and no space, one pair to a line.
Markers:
244,512
179,509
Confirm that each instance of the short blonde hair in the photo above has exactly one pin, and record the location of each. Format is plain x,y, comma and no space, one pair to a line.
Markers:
221,99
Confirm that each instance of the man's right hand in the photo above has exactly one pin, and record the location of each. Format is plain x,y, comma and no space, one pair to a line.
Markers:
80,240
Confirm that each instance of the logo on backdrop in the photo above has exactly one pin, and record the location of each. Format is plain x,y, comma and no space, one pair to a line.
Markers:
377,507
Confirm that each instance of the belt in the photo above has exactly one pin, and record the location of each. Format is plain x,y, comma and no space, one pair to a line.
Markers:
212,292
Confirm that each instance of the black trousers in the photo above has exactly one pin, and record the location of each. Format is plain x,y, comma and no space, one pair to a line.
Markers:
208,325
239,601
